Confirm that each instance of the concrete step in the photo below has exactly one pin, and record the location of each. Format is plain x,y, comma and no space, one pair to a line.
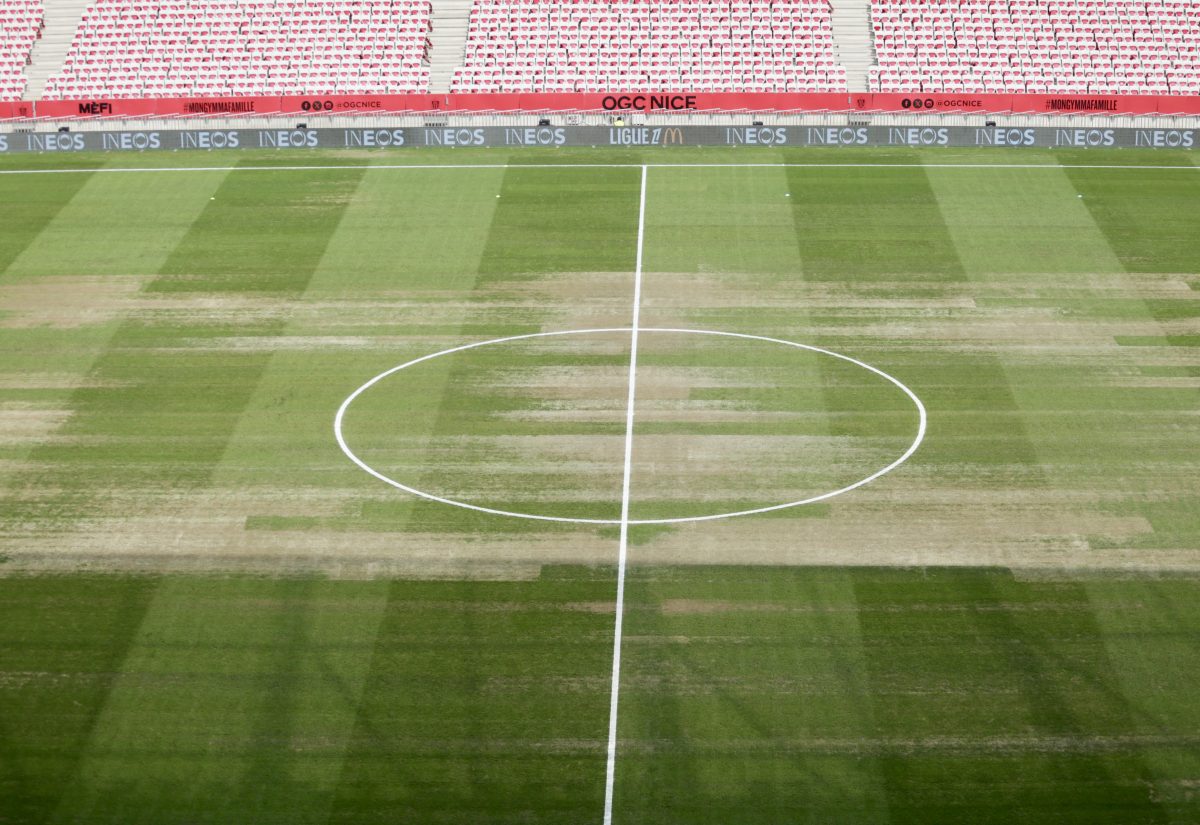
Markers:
854,40
61,21
449,41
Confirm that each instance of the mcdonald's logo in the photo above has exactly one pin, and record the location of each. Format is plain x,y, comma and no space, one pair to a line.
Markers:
673,135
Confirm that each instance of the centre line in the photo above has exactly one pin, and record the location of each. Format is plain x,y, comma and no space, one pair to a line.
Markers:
624,544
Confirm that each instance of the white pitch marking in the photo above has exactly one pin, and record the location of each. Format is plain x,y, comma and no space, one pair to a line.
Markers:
415,166
610,772
912,448
339,418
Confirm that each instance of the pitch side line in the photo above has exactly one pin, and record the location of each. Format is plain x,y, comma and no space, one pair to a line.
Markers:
610,773
416,166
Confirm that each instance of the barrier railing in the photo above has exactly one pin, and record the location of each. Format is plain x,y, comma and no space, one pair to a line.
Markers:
325,135
616,104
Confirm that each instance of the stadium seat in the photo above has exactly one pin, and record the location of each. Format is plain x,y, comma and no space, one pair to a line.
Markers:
20,27
649,45
1036,46
183,48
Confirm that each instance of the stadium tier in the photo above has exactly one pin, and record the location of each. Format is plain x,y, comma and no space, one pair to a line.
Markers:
156,49
677,45
141,48
20,23
1027,46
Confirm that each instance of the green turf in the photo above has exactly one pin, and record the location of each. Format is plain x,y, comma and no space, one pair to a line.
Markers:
870,224
209,615
562,220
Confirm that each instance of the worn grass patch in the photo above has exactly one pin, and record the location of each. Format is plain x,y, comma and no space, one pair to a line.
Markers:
208,614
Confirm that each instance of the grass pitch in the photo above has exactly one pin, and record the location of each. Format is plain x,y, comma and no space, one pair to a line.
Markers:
208,614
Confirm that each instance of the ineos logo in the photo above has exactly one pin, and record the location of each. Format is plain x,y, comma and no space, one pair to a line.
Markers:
56,142
209,140
131,140
1165,138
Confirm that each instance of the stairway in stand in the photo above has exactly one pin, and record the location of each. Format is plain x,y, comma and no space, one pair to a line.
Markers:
855,41
448,35
61,21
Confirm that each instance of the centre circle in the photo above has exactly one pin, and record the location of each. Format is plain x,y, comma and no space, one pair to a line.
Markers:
339,420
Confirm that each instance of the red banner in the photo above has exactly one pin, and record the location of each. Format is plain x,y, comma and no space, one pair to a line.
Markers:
1085,104
938,104
341,104
1179,105
658,102
18,110
157,107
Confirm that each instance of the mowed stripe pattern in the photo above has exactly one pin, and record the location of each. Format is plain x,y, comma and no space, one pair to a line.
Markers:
173,354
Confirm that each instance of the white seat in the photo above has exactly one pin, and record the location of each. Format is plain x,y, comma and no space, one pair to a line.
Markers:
1075,47
623,45
133,48
20,27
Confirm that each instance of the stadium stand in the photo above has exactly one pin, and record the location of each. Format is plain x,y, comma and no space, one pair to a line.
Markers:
232,48
650,45
20,25
176,48
1036,46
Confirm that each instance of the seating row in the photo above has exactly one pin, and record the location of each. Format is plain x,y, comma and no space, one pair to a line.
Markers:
20,27
1036,46
588,45
182,48
131,48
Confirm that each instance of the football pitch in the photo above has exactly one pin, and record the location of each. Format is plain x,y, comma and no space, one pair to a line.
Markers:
686,486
